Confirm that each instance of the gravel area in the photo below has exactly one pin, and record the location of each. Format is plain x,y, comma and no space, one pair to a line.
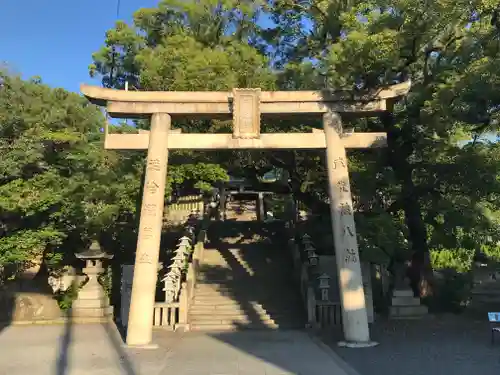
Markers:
435,345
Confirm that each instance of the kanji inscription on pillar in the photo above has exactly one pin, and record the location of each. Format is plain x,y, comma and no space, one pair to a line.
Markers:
145,258
152,187
147,233
343,186
345,209
149,209
348,231
246,113
154,165
351,256
339,163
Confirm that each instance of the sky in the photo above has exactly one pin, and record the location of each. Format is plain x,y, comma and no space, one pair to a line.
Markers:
55,39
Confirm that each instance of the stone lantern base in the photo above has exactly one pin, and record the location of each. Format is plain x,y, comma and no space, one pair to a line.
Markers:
92,302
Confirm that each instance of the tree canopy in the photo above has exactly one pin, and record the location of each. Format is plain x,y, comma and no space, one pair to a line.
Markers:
434,188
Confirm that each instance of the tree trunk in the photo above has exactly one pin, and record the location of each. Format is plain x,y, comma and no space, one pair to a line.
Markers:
400,145
420,269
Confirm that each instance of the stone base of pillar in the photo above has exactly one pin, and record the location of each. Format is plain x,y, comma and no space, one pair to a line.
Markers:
406,306
184,327
146,346
354,344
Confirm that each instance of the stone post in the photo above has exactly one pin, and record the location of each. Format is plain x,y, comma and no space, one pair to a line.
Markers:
354,315
222,204
261,216
126,291
140,321
367,285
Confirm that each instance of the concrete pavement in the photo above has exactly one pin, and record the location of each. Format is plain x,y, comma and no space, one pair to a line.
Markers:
98,350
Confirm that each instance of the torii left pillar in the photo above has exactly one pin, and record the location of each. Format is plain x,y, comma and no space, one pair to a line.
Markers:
140,321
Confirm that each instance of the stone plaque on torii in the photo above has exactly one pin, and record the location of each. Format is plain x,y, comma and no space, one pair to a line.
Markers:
246,106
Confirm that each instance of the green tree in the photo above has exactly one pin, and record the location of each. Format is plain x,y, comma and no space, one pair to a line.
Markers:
58,187
187,46
426,190
448,50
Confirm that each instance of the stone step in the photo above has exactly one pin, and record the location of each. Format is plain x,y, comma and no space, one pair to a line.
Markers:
215,327
209,314
218,302
255,283
282,318
405,301
407,311
226,300
408,317
279,277
283,282
213,268
264,272
403,293
225,319
248,322
247,290
243,258
238,309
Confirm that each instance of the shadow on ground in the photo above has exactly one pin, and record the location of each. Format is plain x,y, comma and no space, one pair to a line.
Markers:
251,353
98,348
446,344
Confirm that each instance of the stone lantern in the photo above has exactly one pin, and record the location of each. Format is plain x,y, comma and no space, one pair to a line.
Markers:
182,250
324,286
313,258
309,249
92,301
172,283
178,259
185,241
306,239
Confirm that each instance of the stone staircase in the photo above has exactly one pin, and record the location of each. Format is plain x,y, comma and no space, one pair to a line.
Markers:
245,282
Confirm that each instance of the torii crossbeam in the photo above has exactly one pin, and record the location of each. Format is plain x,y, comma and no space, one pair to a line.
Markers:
246,106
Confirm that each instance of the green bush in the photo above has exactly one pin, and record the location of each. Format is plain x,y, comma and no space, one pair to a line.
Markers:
65,299
453,285
106,280
492,252
452,291
459,260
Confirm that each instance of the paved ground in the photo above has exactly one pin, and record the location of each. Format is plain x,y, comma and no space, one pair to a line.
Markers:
435,346
97,350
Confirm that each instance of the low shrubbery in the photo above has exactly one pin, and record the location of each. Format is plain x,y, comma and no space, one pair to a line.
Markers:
454,275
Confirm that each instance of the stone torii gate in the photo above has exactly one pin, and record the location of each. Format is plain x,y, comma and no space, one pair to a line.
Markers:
246,106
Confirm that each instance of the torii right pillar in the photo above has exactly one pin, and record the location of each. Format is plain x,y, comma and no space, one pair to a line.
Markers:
354,314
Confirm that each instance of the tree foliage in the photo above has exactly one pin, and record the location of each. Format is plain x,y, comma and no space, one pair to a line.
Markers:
435,188
58,186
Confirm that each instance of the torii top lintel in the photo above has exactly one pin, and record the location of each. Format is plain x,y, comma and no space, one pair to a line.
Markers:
122,104
246,107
